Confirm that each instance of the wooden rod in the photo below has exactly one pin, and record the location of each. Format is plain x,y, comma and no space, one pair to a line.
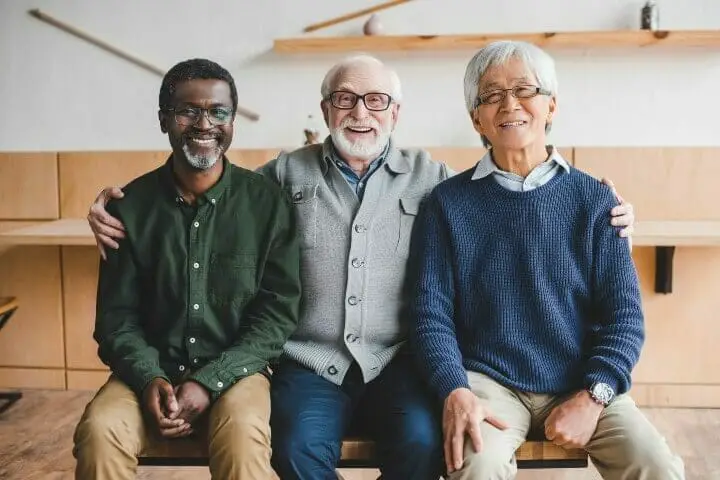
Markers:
116,51
350,16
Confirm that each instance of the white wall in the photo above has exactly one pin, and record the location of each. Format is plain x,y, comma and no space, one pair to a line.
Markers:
60,93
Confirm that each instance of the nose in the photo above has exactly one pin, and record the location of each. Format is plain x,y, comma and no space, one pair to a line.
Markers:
203,122
360,110
509,103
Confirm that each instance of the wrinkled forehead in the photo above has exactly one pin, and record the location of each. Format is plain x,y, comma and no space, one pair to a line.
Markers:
361,79
511,72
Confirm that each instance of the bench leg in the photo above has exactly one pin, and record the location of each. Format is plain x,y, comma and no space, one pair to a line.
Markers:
9,398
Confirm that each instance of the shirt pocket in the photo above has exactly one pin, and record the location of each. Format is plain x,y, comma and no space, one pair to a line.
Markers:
232,277
409,207
305,203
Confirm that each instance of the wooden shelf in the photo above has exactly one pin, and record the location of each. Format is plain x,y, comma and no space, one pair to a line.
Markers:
677,233
70,231
611,38
665,236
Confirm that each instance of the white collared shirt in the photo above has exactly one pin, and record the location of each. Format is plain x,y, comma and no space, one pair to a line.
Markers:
539,176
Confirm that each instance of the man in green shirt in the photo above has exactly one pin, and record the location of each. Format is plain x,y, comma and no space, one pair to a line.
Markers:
199,301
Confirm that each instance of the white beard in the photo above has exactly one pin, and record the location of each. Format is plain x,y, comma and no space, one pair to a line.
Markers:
365,150
201,162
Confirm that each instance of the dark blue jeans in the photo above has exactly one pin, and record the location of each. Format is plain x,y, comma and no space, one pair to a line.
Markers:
311,415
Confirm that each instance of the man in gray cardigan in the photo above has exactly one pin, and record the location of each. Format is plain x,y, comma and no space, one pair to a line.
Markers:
346,368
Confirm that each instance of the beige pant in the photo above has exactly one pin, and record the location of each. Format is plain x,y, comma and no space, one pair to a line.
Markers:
112,432
625,445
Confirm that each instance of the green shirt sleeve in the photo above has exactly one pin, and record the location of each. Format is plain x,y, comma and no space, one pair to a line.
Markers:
118,331
271,316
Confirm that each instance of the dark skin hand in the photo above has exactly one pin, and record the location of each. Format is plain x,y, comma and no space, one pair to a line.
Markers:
193,400
161,405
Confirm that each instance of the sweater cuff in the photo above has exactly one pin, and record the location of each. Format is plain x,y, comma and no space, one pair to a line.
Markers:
602,376
450,380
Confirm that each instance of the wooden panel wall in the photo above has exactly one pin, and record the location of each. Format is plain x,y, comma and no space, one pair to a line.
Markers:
662,183
49,344
84,174
28,186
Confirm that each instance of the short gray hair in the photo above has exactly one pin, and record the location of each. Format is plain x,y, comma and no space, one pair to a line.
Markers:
336,70
539,62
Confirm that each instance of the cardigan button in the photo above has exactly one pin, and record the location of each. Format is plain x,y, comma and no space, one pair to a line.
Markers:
353,300
332,370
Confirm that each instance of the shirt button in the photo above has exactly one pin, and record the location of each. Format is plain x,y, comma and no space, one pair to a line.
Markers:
213,201
181,368
192,339
359,228
332,370
357,263
196,307
195,361
353,300
197,224
351,338
220,384
196,265
244,370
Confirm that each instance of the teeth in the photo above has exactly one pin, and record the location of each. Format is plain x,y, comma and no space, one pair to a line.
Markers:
360,129
513,124
200,141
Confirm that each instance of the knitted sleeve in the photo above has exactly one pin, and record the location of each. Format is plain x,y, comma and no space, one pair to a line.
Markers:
431,271
617,305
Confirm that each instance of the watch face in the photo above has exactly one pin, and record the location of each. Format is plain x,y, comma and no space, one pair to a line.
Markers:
603,392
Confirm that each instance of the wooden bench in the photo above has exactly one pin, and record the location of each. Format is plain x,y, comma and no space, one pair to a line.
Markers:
360,453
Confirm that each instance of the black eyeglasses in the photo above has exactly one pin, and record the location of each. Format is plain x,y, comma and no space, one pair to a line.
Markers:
188,116
519,91
377,102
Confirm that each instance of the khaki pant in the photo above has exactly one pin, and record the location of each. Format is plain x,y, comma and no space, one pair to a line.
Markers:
112,432
625,445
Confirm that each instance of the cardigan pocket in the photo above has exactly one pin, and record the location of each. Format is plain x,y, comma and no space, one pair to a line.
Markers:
409,207
305,203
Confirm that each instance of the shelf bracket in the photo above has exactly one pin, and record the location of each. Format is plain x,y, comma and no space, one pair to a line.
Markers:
664,269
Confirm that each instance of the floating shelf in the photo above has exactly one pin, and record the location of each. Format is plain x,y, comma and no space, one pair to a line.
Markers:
387,43
665,236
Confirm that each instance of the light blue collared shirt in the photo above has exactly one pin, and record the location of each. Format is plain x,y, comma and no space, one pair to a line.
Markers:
539,176
356,183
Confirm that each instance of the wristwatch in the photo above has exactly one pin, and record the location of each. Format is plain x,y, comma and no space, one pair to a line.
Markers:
602,393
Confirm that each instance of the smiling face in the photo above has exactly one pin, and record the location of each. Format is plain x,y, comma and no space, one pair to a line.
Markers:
513,123
201,144
361,132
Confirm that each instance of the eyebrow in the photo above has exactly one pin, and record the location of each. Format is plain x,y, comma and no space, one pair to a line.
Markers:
497,85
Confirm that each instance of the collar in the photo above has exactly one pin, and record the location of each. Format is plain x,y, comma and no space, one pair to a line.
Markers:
486,165
211,195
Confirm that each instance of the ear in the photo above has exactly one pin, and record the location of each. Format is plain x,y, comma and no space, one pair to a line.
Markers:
475,117
325,111
162,118
552,107
395,113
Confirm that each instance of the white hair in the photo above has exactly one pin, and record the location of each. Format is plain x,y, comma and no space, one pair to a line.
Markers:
336,70
535,59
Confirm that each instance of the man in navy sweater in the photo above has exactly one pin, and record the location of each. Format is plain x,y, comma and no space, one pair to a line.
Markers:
528,307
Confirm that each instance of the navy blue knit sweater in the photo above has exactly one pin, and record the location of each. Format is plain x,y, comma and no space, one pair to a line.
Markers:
534,289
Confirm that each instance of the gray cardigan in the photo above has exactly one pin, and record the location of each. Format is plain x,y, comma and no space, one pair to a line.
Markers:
353,256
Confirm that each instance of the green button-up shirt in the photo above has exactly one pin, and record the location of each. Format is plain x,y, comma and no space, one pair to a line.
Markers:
208,292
